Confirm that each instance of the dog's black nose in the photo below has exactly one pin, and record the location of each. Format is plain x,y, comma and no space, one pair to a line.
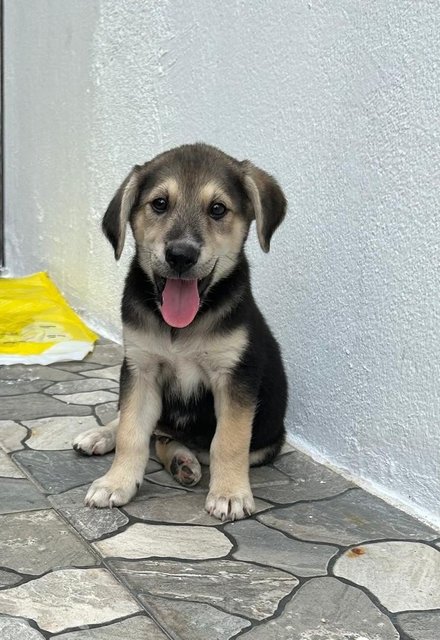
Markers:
181,255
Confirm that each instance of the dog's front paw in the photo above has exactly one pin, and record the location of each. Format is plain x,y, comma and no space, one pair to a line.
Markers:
230,504
109,492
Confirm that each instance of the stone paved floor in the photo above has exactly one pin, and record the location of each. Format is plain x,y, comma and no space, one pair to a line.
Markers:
320,560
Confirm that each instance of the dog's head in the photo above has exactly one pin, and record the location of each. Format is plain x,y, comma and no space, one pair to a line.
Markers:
190,210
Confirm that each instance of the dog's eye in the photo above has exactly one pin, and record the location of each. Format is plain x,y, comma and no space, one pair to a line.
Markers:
217,210
160,205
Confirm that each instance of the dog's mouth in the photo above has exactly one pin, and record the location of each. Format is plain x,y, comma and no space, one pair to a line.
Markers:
180,298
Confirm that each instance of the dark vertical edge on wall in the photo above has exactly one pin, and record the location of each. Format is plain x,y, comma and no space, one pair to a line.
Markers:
2,120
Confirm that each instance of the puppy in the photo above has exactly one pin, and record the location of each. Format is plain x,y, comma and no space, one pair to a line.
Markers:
202,371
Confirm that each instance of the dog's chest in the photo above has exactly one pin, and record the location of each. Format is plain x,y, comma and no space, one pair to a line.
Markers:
187,363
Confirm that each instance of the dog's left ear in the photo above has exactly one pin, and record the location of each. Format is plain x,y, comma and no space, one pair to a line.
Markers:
114,223
268,202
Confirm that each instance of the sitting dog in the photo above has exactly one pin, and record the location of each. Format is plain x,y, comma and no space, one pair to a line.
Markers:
202,371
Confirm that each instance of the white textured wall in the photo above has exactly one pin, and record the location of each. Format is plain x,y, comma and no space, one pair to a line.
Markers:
339,99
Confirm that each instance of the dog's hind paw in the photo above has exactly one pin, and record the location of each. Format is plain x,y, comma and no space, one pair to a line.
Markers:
95,442
185,468
230,505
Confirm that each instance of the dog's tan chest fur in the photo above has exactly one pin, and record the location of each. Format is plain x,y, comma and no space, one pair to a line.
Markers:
187,361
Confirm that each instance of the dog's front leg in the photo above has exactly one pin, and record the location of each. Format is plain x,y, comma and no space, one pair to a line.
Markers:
140,409
230,495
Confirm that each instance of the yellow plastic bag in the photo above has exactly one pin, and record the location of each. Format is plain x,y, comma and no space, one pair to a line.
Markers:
36,324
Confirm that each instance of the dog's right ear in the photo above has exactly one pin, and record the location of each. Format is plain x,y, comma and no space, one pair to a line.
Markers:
114,222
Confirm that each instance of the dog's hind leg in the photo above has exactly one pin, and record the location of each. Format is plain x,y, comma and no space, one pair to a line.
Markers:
97,441
178,460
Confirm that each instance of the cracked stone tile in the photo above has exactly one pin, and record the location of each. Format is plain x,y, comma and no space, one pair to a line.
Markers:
420,626
310,481
257,542
23,372
87,397
58,471
20,495
186,509
11,435
90,523
107,412
350,518
19,387
259,476
327,609
37,541
67,598
111,373
107,354
80,386
35,405
8,578
393,572
149,490
7,468
166,541
75,367
58,432
17,628
237,587
136,628
193,620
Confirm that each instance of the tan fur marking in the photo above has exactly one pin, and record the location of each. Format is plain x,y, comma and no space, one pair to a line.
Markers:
140,411
214,192
195,358
169,188
230,494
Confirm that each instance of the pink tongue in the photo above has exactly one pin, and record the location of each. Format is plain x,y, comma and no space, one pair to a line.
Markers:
180,302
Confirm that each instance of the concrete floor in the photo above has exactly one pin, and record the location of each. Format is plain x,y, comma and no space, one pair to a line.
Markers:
320,559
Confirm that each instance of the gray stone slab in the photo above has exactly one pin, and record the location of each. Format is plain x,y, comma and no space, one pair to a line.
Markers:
58,471
107,354
69,598
57,433
35,405
90,523
37,541
20,495
347,519
7,468
165,541
87,397
110,373
257,542
11,435
423,625
402,575
9,578
17,629
19,387
135,628
74,367
149,490
238,588
193,620
22,372
309,481
178,509
79,386
327,609
107,412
